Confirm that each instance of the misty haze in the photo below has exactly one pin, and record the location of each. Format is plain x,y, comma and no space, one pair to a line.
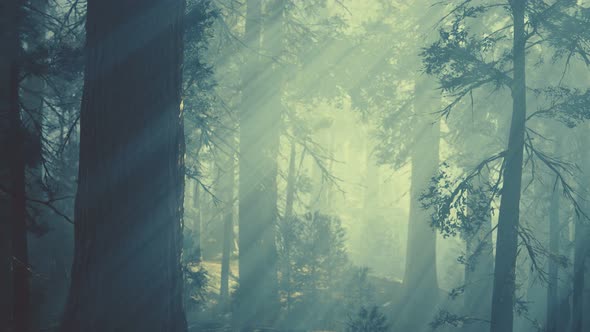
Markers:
294,165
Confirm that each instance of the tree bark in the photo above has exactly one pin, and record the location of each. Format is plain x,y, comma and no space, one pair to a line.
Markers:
508,220
126,274
14,278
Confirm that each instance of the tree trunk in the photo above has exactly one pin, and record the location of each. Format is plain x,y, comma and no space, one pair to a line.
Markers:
291,183
228,225
371,227
580,257
420,277
257,300
40,248
287,271
197,221
126,274
507,235
581,247
553,304
14,254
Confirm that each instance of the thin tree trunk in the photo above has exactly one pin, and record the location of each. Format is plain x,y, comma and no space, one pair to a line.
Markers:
552,286
291,179
508,220
197,222
228,233
289,202
126,274
580,256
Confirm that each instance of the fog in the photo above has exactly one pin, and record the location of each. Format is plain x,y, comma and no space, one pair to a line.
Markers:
320,165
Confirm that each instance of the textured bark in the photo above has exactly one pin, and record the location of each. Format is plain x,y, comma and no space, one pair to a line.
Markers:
126,274
507,235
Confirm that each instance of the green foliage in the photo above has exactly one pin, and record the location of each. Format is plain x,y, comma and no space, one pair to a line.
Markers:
569,106
195,283
459,206
312,253
317,279
368,320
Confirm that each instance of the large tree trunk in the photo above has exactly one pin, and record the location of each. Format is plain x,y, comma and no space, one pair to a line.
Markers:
14,277
581,247
420,277
126,274
507,236
257,300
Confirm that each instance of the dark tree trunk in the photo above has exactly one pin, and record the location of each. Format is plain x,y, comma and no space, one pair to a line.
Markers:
126,274
507,236
40,247
14,278
582,237
553,304
581,247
